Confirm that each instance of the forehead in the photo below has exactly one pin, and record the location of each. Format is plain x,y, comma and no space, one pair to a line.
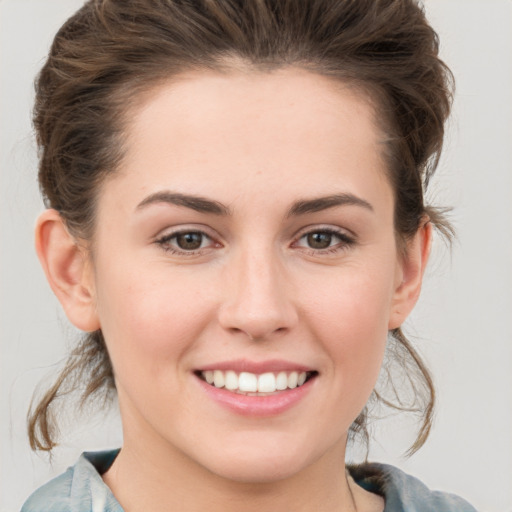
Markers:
244,100
204,129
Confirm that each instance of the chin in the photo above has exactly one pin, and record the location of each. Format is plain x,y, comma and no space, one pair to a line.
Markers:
258,464
257,472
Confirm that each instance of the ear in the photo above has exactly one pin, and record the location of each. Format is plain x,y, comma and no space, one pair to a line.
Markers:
67,269
410,271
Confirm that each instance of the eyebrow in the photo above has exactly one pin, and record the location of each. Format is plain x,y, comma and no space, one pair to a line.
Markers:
323,203
197,203
204,205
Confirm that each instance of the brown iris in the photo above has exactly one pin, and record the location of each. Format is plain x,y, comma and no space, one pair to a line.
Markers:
319,240
189,241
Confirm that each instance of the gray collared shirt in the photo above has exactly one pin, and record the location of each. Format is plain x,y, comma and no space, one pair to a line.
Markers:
81,489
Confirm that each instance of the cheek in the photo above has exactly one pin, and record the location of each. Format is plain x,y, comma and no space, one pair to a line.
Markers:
149,320
352,302
350,319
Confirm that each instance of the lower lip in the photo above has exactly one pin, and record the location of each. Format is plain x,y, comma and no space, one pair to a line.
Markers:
262,406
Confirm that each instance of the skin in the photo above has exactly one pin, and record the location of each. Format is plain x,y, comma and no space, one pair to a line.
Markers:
257,144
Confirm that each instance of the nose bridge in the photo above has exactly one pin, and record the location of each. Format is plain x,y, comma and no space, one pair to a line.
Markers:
257,300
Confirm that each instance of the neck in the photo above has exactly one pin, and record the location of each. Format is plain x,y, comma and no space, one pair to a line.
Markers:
150,473
142,478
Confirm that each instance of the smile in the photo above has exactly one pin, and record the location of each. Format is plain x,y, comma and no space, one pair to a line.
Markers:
253,384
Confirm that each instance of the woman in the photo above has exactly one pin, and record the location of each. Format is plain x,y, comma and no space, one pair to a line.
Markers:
236,217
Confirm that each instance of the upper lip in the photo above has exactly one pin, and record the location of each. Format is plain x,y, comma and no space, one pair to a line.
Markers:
258,367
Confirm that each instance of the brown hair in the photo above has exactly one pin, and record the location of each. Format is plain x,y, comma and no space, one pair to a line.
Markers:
112,50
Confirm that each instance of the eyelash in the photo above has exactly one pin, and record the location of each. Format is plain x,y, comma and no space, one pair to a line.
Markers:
165,241
345,241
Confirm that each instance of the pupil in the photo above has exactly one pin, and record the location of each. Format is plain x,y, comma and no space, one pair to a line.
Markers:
189,241
319,240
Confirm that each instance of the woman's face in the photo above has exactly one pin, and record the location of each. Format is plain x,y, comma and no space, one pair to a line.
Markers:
247,238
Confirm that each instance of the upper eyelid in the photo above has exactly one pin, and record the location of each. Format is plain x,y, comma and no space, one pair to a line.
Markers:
337,230
169,232
170,236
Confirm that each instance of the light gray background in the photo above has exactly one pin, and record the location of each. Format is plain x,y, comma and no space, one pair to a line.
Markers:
462,324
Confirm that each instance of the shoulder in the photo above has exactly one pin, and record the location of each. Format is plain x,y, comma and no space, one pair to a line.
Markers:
79,489
403,492
54,495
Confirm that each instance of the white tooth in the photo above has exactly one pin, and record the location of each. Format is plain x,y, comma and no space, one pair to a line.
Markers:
231,380
208,376
218,378
247,382
267,383
302,378
281,381
292,380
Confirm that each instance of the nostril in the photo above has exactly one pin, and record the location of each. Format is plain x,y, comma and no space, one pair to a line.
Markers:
259,307
266,335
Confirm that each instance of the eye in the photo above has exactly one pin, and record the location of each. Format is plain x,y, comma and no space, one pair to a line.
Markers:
190,241
324,240
319,240
185,242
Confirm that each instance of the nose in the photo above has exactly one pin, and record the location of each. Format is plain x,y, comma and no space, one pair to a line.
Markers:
258,297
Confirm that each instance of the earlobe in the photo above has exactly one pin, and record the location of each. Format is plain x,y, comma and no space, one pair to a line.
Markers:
411,270
67,269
